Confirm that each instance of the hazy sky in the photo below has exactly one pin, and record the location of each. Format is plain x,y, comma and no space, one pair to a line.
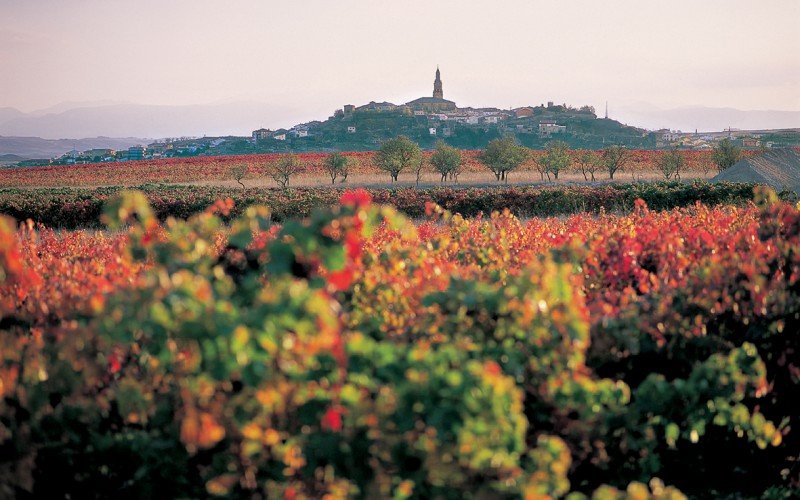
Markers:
316,55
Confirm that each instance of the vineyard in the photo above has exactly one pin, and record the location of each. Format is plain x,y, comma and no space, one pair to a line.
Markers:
354,353
70,208
212,169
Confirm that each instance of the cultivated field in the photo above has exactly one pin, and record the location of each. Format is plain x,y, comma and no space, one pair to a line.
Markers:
219,170
196,347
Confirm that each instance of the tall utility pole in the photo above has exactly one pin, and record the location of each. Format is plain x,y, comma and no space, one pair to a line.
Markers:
606,110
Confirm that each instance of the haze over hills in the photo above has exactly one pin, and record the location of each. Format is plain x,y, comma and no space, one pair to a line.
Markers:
116,125
35,147
114,119
136,120
705,119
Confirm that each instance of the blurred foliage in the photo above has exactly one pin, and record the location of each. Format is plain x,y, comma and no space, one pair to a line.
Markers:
355,354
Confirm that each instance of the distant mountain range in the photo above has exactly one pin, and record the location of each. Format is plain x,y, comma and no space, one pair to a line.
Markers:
13,149
705,119
76,120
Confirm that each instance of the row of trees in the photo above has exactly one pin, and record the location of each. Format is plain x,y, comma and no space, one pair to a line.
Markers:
336,165
504,155
501,156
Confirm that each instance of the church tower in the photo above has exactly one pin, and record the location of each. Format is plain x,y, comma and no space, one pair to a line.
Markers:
437,86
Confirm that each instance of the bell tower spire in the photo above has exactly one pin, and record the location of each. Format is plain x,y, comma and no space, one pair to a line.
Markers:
437,85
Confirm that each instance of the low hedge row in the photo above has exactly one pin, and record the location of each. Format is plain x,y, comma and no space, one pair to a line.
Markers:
76,207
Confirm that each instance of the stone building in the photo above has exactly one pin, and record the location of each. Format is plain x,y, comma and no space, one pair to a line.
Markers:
434,104
437,85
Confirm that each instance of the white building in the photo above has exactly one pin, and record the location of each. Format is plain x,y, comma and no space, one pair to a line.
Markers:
351,130
551,128
432,131
279,137
670,136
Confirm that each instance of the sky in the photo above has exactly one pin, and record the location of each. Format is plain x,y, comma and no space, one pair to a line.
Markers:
308,58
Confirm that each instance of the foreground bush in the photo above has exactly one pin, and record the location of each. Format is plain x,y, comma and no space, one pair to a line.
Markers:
355,354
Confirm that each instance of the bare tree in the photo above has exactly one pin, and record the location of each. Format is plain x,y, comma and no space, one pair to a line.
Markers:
239,172
345,170
705,166
680,164
419,166
540,167
334,164
670,164
282,170
615,158
587,163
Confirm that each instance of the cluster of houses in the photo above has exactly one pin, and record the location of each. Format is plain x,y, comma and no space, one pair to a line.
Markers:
264,134
666,138
166,148
441,118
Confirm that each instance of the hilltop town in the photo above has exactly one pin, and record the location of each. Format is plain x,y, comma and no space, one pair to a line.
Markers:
429,119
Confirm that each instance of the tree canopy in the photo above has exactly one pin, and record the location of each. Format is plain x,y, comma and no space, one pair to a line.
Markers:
396,155
446,160
556,158
726,154
502,156
588,163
